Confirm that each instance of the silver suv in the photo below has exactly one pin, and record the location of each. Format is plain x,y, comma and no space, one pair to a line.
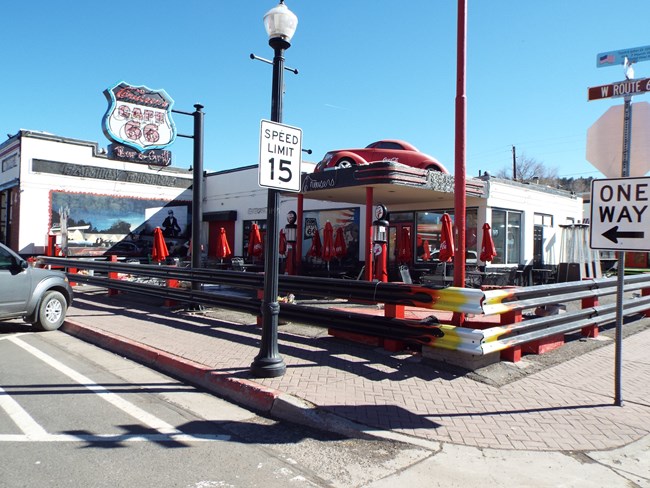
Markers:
38,296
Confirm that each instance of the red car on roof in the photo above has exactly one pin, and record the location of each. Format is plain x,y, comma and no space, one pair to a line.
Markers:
386,150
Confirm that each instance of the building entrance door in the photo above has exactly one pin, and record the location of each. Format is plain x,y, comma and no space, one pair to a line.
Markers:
213,236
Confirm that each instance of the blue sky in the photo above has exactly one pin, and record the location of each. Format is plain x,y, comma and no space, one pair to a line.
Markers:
368,70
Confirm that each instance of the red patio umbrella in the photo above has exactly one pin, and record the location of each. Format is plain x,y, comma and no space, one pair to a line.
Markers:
488,252
255,248
223,248
340,249
405,251
316,250
328,242
282,249
446,240
159,251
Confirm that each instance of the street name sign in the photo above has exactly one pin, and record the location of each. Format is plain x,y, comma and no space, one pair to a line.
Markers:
620,214
280,156
625,88
633,55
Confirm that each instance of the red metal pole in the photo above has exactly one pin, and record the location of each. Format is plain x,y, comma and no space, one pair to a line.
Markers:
297,258
460,196
368,243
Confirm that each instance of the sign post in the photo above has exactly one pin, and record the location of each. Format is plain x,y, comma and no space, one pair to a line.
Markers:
620,214
626,89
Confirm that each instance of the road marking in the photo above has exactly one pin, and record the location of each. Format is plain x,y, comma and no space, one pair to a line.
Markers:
21,418
33,431
94,438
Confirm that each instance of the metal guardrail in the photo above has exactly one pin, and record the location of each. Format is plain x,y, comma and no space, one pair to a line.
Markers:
481,342
386,327
465,340
535,329
507,300
465,300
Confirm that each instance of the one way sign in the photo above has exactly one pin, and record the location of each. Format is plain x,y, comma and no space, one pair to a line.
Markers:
620,217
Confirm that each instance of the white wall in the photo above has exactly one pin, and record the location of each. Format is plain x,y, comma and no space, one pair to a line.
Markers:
531,199
239,190
35,187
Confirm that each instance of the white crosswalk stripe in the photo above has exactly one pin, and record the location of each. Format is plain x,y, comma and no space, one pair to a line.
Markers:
32,431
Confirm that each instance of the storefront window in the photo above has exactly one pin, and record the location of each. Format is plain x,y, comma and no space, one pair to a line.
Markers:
506,233
395,217
346,218
427,233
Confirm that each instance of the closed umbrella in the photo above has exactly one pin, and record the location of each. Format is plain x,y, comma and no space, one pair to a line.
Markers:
340,249
223,248
255,248
488,251
328,242
159,251
316,250
405,252
446,240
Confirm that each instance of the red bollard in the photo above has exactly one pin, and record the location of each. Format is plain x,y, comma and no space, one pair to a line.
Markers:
590,330
393,311
171,283
112,275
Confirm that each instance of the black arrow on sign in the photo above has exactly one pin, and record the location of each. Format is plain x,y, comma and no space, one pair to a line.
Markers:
614,235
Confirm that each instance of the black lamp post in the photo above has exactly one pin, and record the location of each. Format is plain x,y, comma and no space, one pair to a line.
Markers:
280,24
197,184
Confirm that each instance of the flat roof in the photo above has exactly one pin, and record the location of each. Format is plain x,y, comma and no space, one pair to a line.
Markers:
392,184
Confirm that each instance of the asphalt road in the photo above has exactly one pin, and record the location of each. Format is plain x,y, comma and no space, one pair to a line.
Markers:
74,415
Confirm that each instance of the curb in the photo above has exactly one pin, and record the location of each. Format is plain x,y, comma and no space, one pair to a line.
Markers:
241,391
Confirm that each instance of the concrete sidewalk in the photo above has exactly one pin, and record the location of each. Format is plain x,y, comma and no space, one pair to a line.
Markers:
343,386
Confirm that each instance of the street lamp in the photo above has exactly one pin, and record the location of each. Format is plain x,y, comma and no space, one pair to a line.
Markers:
280,24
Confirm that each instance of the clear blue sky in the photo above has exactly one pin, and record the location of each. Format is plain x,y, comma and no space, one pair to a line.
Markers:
369,70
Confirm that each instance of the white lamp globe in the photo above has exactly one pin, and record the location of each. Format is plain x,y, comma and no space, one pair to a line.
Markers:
280,22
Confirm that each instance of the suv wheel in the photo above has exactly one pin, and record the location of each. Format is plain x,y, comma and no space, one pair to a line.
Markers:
51,311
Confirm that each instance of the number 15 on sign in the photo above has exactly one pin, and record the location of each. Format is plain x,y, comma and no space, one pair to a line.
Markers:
280,156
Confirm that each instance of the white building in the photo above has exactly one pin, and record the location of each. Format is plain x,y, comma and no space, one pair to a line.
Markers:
109,200
44,175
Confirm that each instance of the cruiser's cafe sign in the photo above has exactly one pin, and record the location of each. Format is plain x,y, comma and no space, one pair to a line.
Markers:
139,122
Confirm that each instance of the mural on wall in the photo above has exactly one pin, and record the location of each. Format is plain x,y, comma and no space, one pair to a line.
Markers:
347,218
103,224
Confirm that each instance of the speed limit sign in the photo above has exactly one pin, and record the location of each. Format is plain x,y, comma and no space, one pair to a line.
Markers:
280,156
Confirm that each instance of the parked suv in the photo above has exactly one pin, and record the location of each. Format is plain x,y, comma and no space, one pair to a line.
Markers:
39,296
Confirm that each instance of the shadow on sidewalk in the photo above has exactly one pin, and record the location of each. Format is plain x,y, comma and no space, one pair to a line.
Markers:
365,361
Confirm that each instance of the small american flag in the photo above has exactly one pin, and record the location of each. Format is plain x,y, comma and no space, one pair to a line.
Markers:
607,58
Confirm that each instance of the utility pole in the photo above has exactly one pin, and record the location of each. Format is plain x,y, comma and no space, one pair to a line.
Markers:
514,163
